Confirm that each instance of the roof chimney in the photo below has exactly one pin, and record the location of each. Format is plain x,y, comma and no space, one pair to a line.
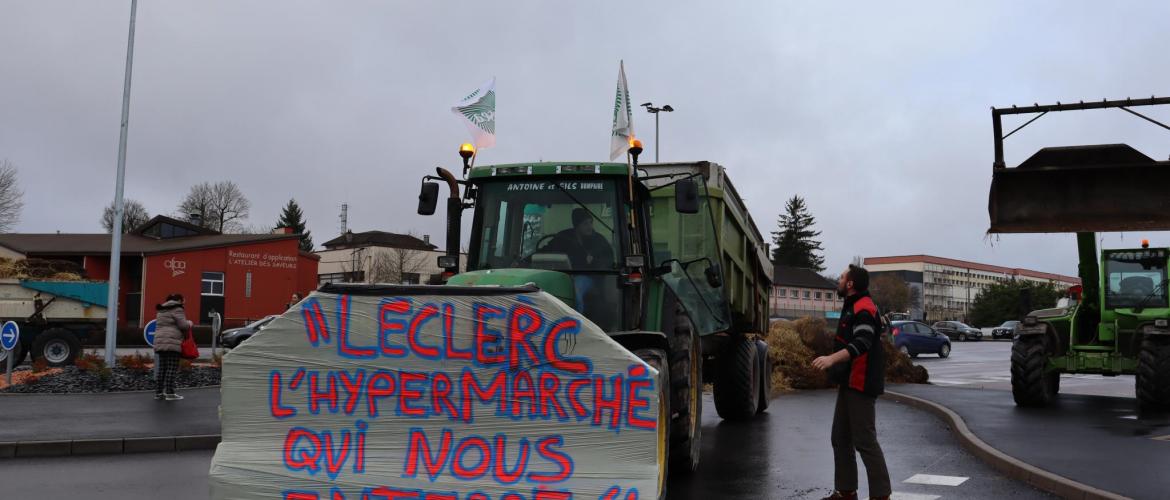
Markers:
196,218
427,239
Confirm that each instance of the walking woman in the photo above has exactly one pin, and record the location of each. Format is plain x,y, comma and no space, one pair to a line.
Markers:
170,328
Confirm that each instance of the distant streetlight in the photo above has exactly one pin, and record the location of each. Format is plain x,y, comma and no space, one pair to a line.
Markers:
651,109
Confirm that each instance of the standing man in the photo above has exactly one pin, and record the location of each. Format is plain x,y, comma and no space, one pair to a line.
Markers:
858,367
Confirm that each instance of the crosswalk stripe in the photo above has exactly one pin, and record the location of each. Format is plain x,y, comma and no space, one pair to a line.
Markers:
932,479
897,495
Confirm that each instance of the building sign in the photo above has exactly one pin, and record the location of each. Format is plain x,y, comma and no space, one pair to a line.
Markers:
500,397
175,266
262,259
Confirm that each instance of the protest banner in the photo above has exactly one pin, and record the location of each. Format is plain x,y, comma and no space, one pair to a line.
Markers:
436,393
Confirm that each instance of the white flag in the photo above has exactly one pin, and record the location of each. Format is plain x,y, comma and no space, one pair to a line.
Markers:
478,111
623,120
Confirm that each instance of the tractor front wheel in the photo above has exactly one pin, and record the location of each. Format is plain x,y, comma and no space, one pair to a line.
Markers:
687,379
1032,385
657,359
1153,375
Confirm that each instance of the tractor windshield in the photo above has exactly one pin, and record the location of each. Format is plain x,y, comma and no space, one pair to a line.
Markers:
566,225
1135,279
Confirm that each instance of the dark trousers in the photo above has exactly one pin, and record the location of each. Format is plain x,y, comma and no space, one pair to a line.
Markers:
168,370
854,431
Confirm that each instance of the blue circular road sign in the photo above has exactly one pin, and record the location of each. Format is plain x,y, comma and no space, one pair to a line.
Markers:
9,335
148,332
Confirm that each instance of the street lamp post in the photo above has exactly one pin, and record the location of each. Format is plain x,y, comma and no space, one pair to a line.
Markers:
116,233
653,110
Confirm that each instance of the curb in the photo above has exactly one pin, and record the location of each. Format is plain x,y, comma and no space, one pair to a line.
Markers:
1002,462
79,447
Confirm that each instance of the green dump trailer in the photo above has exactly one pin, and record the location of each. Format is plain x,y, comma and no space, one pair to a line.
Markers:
664,258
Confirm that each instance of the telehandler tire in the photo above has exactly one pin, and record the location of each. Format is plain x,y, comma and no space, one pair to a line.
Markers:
1153,375
737,390
1031,385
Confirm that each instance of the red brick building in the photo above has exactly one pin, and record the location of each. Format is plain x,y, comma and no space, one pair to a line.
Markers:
243,276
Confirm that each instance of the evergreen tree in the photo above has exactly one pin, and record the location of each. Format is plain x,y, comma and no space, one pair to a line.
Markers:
794,241
292,217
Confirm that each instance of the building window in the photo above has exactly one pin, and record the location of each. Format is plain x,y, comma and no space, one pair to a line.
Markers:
818,295
807,294
212,284
248,284
783,292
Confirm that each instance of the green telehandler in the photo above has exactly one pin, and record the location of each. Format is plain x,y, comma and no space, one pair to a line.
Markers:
1117,321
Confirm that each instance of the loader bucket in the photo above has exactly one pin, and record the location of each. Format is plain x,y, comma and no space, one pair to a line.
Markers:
372,391
1103,188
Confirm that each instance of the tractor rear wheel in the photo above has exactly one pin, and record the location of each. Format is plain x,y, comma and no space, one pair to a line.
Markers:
657,359
1031,384
1153,375
687,384
737,390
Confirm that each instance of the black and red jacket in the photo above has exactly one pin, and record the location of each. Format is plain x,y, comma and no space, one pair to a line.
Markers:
859,331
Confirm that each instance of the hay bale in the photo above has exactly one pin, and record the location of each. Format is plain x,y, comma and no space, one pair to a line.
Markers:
792,345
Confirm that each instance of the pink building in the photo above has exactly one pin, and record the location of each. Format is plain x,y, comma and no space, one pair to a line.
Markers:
798,292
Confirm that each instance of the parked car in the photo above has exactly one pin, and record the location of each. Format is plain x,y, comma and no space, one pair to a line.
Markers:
1006,331
914,338
234,336
956,330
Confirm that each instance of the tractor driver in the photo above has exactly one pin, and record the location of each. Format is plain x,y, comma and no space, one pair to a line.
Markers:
586,249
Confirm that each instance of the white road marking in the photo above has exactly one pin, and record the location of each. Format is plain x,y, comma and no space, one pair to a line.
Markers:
1161,438
932,479
1129,417
897,495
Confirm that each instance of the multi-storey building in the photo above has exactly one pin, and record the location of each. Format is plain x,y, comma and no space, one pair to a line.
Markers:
943,289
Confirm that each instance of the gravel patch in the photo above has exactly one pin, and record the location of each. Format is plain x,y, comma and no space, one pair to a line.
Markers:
72,380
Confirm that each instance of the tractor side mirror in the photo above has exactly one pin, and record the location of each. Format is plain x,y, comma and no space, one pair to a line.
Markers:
713,276
686,197
428,198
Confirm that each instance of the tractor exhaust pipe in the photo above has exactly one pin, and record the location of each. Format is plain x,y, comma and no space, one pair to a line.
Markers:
454,220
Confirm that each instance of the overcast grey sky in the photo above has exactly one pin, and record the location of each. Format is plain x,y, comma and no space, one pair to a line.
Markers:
875,112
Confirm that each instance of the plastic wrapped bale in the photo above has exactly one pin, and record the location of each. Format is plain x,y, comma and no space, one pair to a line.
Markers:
368,392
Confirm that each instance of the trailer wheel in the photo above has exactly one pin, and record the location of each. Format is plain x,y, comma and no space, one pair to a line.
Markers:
1031,385
687,384
56,346
1153,375
737,392
765,375
657,359
17,354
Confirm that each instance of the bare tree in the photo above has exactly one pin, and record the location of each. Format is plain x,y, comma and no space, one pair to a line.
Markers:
221,206
11,197
890,292
393,265
134,214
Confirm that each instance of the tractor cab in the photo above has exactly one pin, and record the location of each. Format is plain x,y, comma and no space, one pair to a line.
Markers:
584,233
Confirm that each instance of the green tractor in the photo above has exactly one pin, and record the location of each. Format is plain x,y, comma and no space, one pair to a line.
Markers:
1118,320
664,257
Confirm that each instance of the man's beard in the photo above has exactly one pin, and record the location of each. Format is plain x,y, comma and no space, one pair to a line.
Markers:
841,292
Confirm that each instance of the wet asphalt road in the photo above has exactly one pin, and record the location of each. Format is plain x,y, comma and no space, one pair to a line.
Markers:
986,364
782,454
